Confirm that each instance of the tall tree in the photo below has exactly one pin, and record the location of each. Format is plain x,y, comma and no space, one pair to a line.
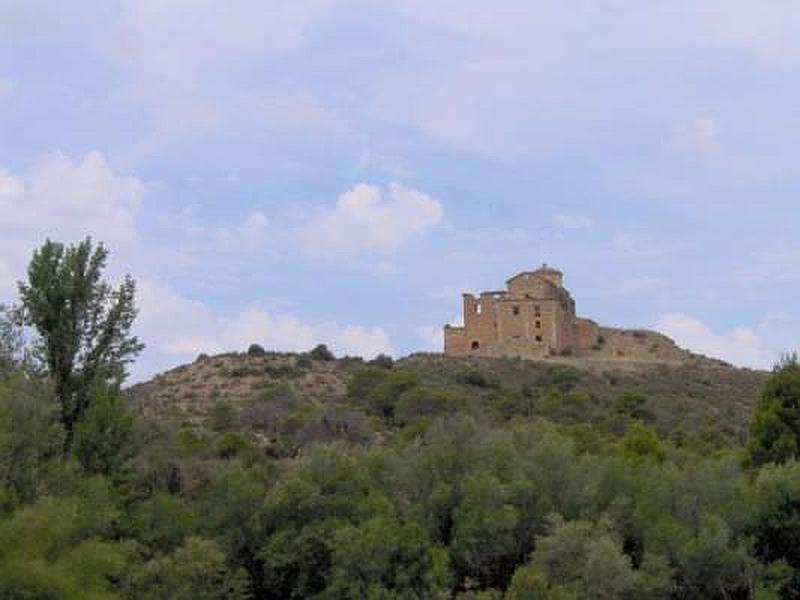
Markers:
84,324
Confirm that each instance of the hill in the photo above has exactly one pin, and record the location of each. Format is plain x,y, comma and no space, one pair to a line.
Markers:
683,397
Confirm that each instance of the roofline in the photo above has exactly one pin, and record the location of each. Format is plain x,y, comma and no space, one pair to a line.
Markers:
537,272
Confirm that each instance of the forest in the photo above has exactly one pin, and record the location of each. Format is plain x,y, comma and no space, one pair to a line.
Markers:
423,477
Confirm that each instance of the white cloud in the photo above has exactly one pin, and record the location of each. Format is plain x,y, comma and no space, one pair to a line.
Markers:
7,88
484,92
742,346
178,57
60,198
698,138
250,235
171,43
68,201
769,28
296,112
370,219
573,221
186,328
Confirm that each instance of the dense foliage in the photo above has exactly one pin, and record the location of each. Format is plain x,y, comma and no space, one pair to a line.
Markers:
419,484
452,503
775,430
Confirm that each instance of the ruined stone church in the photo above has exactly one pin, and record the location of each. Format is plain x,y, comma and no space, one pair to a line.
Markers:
533,317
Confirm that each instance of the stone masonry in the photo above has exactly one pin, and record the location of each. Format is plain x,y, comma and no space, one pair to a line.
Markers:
533,317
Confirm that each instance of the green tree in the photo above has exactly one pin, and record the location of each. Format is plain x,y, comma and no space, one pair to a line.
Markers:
642,444
579,559
60,548
382,559
195,571
486,544
103,439
775,523
775,427
30,435
12,346
423,402
84,324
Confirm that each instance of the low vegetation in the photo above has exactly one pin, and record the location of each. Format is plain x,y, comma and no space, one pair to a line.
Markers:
264,475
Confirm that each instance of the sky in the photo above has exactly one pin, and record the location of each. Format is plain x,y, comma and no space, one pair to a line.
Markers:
318,171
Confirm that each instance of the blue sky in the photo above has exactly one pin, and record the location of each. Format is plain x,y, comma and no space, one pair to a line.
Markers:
294,172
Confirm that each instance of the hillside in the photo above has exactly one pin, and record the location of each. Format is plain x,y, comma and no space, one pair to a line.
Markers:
684,395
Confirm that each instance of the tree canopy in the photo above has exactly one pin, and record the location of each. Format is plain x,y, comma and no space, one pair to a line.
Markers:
84,325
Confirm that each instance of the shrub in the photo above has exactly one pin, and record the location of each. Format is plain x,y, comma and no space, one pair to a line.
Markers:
321,353
632,405
304,363
256,350
775,428
334,424
196,570
476,378
565,378
642,444
103,440
424,401
222,416
230,444
365,379
382,360
383,398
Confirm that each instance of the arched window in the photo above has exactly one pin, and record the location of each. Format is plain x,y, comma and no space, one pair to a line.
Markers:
476,345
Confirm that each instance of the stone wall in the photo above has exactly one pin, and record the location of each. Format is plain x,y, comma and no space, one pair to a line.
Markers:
534,317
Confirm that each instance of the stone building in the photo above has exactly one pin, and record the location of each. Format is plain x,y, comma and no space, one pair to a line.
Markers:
533,317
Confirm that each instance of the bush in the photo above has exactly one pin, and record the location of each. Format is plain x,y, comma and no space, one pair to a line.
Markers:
382,360
223,416
103,441
256,350
476,378
230,444
304,363
383,398
423,402
196,571
632,405
30,436
775,428
565,378
364,380
322,354
642,444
